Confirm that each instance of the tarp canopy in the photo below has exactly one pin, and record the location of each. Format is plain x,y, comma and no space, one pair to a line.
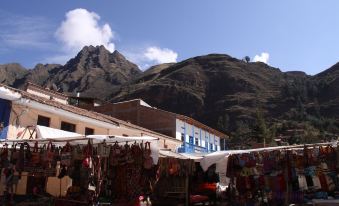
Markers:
52,133
6,93
60,137
217,157
197,157
169,153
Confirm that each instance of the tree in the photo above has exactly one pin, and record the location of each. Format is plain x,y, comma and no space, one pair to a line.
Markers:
261,129
247,59
223,123
241,135
301,109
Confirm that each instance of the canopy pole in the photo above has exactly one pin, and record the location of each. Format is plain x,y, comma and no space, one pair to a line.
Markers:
187,195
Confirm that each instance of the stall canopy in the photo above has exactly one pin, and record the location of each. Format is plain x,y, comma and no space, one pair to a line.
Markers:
218,157
51,133
169,153
60,137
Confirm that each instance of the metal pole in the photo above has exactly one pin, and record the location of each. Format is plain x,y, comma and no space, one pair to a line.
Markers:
187,195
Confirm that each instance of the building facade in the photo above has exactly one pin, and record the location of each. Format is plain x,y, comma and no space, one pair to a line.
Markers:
196,137
21,110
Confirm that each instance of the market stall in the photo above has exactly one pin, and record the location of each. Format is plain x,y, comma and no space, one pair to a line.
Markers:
79,168
172,184
278,175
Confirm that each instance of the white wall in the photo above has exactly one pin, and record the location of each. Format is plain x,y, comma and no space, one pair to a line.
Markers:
197,133
180,129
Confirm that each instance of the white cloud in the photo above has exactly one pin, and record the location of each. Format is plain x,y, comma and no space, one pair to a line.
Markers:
81,28
152,55
263,57
160,56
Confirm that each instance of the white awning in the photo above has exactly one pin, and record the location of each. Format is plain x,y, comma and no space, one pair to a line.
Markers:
197,157
57,134
8,94
169,153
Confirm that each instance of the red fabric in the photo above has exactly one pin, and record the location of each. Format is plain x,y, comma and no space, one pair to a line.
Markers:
281,184
323,182
198,198
208,186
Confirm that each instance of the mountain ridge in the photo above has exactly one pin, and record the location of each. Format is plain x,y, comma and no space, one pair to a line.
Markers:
216,89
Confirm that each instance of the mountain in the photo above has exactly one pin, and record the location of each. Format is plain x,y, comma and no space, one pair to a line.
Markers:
207,87
217,89
91,70
10,73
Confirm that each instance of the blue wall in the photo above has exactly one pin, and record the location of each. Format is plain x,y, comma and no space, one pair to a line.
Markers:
5,111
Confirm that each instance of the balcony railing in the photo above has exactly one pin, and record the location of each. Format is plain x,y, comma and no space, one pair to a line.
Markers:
191,148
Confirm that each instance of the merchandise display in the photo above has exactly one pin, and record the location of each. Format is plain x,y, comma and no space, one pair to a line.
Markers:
281,176
118,171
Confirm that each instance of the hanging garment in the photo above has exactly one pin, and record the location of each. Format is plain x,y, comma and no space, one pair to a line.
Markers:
58,187
316,182
66,155
309,181
21,187
330,183
323,181
302,182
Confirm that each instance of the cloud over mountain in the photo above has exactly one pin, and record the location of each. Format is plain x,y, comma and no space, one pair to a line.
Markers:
263,57
82,28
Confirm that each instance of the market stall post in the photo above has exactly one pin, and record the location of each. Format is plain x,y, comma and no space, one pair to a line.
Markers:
187,193
287,197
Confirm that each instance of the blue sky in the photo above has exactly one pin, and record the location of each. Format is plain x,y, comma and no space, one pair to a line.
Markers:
293,35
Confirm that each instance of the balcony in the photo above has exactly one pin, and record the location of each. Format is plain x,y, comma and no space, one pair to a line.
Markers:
191,148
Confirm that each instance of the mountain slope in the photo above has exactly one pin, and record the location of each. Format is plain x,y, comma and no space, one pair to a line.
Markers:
207,88
93,69
10,73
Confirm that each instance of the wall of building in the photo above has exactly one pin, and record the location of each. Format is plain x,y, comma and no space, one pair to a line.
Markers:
144,116
156,120
126,111
5,108
21,117
198,135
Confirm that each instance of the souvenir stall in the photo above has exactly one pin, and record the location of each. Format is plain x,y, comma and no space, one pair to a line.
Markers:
278,175
76,170
172,184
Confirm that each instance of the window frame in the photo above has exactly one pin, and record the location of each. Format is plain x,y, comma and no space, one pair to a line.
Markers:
45,118
71,124
88,128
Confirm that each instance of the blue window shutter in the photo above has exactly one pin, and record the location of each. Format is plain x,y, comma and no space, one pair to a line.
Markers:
5,111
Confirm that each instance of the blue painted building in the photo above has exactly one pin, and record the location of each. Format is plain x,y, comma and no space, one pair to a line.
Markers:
196,137
5,111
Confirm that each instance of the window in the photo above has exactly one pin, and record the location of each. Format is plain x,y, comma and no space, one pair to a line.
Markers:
183,137
191,140
196,141
67,126
211,146
43,121
89,131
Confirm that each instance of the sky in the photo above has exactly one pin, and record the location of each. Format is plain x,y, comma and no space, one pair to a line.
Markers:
290,35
